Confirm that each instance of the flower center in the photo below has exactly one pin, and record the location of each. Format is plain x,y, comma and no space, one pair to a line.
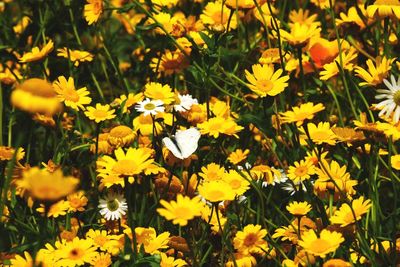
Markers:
71,95
125,167
97,7
396,97
182,212
250,240
301,171
172,64
320,135
149,106
235,184
265,85
320,246
100,240
100,113
216,195
113,205
76,253
215,127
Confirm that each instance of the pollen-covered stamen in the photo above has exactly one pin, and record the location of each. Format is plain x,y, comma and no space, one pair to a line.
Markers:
396,97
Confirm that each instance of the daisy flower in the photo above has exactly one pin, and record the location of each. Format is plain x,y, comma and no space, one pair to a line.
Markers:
264,81
299,208
148,106
182,210
76,56
326,243
251,239
113,206
71,97
391,103
184,103
100,113
92,11
346,215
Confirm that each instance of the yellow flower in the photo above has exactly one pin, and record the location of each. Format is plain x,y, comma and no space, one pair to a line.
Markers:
104,241
326,243
352,17
333,177
332,69
169,23
375,74
299,114
145,126
121,136
100,113
384,8
171,262
336,263
128,102
217,14
7,153
148,237
101,260
238,156
36,53
157,91
301,171
21,25
77,201
345,216
128,164
59,208
76,56
212,172
216,191
348,135
265,16
104,146
303,17
46,186
212,219
265,82
20,261
323,4
320,134
390,130
77,252
299,208
244,260
251,240
218,125
36,96
268,175
69,95
93,10
170,62
395,162
300,34
182,210
238,184
241,4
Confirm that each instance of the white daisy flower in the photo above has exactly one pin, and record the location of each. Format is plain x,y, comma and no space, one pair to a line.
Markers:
391,103
184,103
113,206
293,188
278,178
148,106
